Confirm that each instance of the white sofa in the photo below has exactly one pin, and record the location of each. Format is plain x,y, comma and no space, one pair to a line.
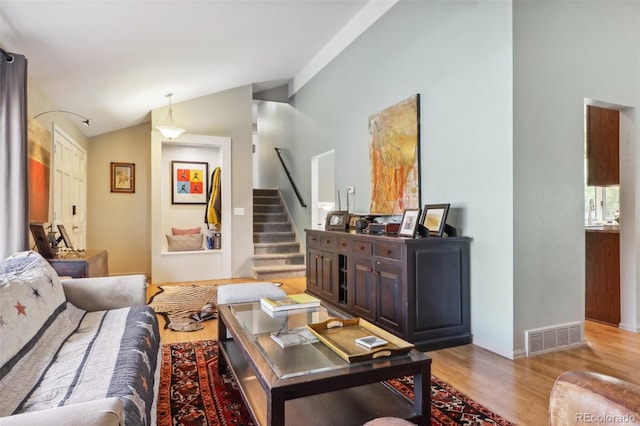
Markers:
75,352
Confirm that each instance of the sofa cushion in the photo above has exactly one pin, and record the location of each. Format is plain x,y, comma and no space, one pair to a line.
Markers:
31,300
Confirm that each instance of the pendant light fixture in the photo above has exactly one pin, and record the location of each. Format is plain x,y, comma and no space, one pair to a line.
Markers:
170,131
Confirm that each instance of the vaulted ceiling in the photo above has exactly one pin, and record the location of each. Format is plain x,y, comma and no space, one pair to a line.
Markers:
114,60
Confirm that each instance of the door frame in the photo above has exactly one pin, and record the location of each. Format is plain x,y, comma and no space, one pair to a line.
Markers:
58,132
318,177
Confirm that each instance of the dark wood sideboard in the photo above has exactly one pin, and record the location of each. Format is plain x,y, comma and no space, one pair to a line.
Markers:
418,289
86,264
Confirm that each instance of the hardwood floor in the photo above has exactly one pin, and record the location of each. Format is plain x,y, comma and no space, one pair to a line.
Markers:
517,390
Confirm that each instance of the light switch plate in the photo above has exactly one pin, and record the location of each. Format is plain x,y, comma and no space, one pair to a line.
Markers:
238,211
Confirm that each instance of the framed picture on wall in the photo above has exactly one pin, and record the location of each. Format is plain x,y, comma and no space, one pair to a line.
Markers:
123,177
189,182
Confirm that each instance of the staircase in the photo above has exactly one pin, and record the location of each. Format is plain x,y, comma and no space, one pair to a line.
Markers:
275,245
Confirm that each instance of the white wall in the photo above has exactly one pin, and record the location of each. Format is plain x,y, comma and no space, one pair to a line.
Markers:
566,52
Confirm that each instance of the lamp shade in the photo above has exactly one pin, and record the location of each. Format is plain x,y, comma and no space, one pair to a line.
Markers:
170,131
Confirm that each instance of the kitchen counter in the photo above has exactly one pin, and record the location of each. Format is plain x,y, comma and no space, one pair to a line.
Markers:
614,229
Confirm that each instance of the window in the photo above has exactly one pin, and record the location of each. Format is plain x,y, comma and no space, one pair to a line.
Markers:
605,206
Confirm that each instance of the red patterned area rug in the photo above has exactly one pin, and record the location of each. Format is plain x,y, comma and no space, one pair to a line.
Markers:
192,393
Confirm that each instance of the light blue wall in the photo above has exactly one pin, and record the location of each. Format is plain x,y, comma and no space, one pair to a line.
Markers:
458,56
566,52
502,86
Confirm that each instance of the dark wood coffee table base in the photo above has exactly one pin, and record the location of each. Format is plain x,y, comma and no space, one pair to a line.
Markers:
349,396
352,406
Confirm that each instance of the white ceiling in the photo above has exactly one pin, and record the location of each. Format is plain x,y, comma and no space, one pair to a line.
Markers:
114,60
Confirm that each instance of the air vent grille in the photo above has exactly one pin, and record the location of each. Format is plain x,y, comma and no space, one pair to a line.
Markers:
553,338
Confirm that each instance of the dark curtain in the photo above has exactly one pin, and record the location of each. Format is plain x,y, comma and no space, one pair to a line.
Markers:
14,195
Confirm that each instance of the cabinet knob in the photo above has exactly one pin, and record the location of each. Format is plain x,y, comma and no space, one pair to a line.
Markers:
369,270
387,251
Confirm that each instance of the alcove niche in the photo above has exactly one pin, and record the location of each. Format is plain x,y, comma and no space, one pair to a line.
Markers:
206,264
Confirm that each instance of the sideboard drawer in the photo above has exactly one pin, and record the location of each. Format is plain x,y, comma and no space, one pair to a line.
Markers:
313,240
344,244
389,251
328,242
362,248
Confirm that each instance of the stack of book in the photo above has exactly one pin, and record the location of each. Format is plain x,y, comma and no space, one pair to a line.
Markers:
293,301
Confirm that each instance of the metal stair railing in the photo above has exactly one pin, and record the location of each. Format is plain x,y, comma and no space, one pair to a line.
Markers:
293,184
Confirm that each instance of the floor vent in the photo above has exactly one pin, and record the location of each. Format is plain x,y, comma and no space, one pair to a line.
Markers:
550,339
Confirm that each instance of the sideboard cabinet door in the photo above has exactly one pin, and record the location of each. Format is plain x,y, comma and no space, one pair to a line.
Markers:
321,273
390,289
442,294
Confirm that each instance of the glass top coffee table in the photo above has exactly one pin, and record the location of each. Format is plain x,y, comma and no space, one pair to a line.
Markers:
309,383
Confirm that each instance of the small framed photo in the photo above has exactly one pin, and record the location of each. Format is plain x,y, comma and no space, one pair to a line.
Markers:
337,220
409,223
353,218
65,236
123,177
189,182
434,218
41,239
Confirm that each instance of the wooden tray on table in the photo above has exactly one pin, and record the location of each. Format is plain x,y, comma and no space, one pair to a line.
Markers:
340,335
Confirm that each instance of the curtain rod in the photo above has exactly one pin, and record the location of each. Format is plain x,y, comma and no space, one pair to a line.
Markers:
7,56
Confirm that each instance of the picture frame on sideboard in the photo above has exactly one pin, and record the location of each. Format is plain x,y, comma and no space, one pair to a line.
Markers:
42,241
409,223
337,220
434,218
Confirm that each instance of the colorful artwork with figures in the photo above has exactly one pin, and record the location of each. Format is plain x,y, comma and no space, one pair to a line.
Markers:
394,151
189,182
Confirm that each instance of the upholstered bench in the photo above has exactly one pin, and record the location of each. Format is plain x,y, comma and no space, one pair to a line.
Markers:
248,292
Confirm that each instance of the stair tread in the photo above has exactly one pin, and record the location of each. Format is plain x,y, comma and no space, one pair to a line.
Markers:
276,244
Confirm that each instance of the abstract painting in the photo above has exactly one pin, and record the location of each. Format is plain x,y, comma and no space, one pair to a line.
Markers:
189,182
39,146
394,152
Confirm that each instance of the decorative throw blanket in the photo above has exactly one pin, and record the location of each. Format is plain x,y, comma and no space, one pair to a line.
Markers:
54,354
